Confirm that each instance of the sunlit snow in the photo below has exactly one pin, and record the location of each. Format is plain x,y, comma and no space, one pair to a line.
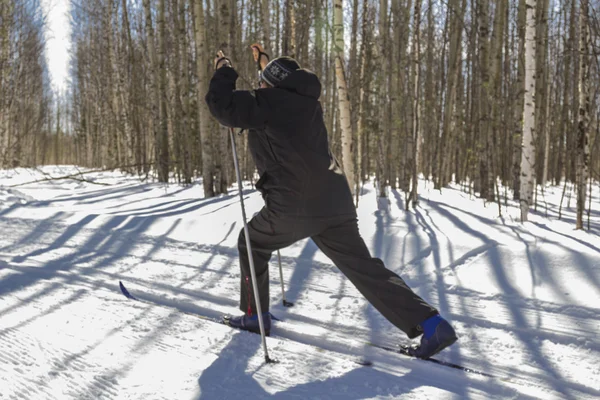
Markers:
524,298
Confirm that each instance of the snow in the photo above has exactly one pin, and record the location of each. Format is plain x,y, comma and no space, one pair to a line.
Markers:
524,298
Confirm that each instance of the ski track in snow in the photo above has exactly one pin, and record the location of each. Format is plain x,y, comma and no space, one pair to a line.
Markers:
525,299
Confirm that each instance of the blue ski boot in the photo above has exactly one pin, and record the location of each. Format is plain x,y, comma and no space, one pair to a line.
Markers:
249,323
437,335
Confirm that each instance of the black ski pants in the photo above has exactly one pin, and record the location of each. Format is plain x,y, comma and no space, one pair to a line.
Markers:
339,238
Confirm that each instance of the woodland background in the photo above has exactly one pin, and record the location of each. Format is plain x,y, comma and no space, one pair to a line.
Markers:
431,87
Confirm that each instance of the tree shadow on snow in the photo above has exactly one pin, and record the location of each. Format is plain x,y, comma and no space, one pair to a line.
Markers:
229,378
105,246
517,314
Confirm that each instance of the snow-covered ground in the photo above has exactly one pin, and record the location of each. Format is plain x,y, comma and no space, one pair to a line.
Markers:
524,299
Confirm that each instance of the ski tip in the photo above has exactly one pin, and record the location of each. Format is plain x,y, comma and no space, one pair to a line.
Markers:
365,363
125,291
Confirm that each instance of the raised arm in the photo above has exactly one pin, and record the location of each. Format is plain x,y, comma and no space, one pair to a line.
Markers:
233,108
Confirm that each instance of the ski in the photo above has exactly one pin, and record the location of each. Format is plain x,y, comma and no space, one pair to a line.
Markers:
355,359
403,350
400,350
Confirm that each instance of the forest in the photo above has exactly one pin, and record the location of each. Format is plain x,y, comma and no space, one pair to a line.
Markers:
500,97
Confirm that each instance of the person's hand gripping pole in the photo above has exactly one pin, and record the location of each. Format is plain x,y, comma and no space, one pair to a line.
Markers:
221,60
261,59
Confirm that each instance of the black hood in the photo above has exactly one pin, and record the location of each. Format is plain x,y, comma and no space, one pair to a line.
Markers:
303,82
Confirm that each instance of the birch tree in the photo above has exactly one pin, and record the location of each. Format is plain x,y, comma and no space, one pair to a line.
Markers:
528,152
203,115
583,152
343,97
473,80
26,99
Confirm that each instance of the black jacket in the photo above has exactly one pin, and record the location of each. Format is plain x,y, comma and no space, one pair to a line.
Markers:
287,137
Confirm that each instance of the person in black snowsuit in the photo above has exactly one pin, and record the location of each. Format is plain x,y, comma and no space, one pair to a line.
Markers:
307,195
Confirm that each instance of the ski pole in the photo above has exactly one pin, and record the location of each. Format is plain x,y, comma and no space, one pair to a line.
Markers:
250,259
285,302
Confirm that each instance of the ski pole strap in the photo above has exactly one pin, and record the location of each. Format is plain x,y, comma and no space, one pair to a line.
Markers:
223,59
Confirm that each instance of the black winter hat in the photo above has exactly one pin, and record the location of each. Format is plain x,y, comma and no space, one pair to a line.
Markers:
278,69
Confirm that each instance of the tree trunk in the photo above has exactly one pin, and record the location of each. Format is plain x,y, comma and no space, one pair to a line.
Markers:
277,45
563,157
519,99
202,88
354,67
361,81
547,135
456,15
163,133
430,125
484,148
382,143
583,152
184,83
153,81
416,129
224,44
403,122
113,82
343,97
528,155
541,76
289,40
549,124
266,26
496,94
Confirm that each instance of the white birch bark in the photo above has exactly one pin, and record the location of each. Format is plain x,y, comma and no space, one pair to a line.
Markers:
343,98
201,86
583,151
528,153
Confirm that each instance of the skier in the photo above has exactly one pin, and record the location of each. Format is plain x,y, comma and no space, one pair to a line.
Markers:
307,195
